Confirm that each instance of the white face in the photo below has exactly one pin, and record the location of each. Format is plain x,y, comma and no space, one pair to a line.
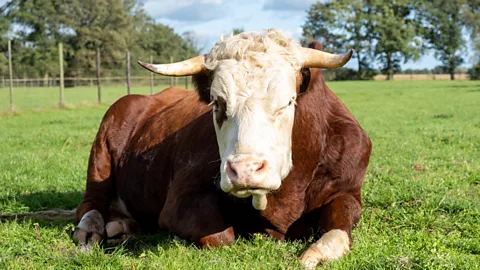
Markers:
253,115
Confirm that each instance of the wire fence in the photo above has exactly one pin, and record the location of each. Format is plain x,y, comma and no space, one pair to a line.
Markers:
43,93
104,81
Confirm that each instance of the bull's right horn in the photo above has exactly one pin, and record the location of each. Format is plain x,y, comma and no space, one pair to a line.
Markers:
192,66
319,59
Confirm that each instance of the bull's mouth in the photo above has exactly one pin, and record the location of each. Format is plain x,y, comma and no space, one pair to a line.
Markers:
246,192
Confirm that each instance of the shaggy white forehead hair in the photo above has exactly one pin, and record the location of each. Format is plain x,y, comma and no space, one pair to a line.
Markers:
256,48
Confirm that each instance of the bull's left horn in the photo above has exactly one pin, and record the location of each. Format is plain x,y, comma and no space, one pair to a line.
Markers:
192,66
319,59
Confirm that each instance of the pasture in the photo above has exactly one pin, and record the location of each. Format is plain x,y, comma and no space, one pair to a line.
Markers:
421,194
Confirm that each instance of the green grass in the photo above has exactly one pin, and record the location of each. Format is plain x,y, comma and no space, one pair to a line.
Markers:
28,98
421,195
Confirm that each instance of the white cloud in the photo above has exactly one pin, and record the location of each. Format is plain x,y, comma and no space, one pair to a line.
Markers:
186,10
288,5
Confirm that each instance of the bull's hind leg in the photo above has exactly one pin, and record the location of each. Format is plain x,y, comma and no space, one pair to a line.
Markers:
336,221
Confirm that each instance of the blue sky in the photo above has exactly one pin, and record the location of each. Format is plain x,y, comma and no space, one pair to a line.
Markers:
209,18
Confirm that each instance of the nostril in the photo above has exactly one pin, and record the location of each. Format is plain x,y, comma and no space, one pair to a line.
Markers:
231,172
261,166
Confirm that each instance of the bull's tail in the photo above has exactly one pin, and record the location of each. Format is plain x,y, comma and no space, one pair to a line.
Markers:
49,215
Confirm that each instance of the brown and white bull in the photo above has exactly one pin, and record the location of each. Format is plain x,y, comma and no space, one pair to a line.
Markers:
261,146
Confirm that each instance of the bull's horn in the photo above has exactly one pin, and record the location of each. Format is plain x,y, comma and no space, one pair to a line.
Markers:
318,59
194,65
221,37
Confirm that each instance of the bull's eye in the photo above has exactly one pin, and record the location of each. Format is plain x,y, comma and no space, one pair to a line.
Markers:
219,109
282,109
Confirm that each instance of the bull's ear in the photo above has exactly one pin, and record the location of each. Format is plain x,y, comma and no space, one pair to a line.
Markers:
202,83
315,45
305,77
305,72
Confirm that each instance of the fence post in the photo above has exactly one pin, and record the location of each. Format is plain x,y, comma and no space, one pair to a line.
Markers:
128,72
151,77
99,87
186,82
11,73
171,78
60,59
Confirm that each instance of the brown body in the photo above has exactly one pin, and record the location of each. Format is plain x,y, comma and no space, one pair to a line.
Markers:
159,154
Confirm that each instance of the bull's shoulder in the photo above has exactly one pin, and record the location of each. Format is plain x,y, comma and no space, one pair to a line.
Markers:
125,117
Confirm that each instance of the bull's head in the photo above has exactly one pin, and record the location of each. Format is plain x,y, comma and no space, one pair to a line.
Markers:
251,81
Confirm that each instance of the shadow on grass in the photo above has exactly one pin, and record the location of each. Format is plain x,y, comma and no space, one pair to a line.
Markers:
55,210
470,87
145,242
47,208
44,200
474,90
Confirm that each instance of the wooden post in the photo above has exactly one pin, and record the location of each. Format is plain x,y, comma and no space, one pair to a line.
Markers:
11,73
151,77
128,72
186,82
99,87
171,78
60,59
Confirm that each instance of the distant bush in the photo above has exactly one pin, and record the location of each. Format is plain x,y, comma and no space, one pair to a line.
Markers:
474,72
346,74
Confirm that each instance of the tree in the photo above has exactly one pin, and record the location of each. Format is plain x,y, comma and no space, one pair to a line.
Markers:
471,17
321,25
395,32
374,28
113,26
340,26
192,44
443,30
4,28
103,24
41,26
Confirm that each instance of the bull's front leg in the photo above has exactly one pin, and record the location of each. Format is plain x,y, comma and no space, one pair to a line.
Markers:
94,210
336,221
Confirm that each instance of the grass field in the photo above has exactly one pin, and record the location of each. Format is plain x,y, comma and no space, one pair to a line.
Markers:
421,194
31,98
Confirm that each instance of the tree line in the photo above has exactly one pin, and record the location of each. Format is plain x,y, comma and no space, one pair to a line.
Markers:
85,26
388,33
